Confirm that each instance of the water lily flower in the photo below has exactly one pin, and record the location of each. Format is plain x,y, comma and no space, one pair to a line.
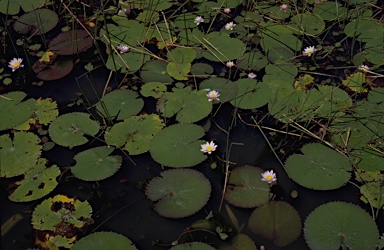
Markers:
213,95
269,176
284,7
227,10
208,147
230,64
363,67
308,51
122,49
229,26
15,63
198,20
252,75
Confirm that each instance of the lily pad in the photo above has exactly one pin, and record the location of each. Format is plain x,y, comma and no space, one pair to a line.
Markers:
38,181
155,71
36,22
11,7
276,36
13,111
179,193
69,130
18,155
57,70
250,94
104,240
240,242
372,194
319,168
135,133
192,246
179,71
127,62
178,146
277,221
338,225
96,164
308,23
246,189
120,104
223,48
46,110
201,70
330,10
153,89
71,42
226,88
356,82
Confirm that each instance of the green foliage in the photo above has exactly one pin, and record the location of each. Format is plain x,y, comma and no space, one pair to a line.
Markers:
179,192
155,71
128,62
254,60
38,181
104,240
192,246
18,155
135,133
339,224
277,221
178,146
11,7
153,89
46,110
36,22
356,82
319,168
69,130
373,194
226,88
223,48
330,10
245,187
308,24
240,242
276,36
250,94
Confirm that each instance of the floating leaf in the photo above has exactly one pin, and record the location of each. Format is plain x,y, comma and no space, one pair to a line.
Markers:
69,130
201,70
57,70
120,104
372,194
127,62
356,82
192,246
179,71
240,242
304,82
71,42
179,192
226,88
178,146
280,71
338,225
281,54
330,10
13,111
250,94
104,240
10,7
223,48
277,221
245,187
154,89
36,22
46,110
96,164
181,55
308,23
46,57
20,155
135,133
319,168
155,71
38,181
276,36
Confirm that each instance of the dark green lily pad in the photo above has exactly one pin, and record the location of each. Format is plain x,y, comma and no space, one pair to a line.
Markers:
36,22
13,111
276,36
252,61
71,42
319,168
376,95
135,133
178,146
250,94
280,71
192,246
281,54
11,7
277,221
155,71
57,70
127,62
201,70
225,87
120,104
330,10
38,181
69,130
18,155
223,48
181,55
153,89
240,242
96,164
338,225
104,240
179,193
245,187
308,23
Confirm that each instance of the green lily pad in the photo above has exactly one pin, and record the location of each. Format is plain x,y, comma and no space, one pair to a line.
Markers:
277,221
254,60
69,130
179,193
281,54
153,89
179,71
18,155
308,23
223,48
13,111
245,187
372,194
226,88
127,62
240,242
120,104
178,146
356,82
181,55
135,133
250,94
152,5
277,36
38,181
71,42
11,7
280,71
319,168
46,110
376,95
36,22
338,225
104,240
60,211
330,10
155,71
96,164
201,70
192,246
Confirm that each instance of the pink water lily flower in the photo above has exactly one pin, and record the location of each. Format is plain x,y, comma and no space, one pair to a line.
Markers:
15,63
208,147
269,176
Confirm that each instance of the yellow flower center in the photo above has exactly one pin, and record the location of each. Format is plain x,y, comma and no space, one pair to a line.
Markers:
16,64
209,148
269,177
212,95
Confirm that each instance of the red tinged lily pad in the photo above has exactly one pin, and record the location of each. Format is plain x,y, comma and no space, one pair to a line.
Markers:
71,42
55,71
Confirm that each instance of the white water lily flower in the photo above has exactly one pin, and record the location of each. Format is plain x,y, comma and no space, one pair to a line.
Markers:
229,26
208,147
122,49
15,63
198,20
213,95
269,176
363,67
230,64
227,10
252,75
308,51
284,7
